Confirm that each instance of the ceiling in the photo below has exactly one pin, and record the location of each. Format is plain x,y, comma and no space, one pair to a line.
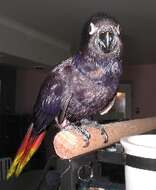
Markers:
7,60
62,21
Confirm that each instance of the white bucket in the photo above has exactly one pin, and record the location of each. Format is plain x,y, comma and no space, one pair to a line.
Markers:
140,166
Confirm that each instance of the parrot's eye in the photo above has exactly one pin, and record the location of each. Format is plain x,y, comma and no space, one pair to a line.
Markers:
106,40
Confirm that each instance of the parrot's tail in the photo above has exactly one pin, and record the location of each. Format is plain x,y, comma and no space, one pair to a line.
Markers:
27,149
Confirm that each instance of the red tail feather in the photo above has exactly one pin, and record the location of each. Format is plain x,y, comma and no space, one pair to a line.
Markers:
27,149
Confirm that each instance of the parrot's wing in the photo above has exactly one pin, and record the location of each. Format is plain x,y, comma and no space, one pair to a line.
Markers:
48,103
46,108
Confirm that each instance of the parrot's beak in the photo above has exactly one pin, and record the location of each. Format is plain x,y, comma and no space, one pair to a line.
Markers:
106,39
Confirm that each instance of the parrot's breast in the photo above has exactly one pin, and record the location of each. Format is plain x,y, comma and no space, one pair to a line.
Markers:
88,97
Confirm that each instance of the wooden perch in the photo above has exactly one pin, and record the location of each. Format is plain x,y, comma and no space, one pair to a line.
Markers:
69,144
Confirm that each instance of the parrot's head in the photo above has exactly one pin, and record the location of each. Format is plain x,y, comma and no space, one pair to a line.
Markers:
102,36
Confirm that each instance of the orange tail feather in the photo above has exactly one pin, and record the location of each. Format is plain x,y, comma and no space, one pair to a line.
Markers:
33,147
27,149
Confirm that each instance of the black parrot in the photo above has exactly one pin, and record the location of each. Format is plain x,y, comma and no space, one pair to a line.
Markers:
79,87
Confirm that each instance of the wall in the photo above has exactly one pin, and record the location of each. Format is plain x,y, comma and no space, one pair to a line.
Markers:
28,82
143,79
20,41
8,86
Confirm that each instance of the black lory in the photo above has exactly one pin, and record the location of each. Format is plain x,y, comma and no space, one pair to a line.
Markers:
79,87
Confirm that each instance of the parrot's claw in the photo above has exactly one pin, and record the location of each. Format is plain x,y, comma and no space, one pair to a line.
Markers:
104,134
103,131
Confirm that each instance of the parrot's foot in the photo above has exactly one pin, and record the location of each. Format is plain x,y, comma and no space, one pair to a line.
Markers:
66,125
84,132
96,125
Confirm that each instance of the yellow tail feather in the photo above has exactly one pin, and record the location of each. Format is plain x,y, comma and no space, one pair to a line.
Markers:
27,149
